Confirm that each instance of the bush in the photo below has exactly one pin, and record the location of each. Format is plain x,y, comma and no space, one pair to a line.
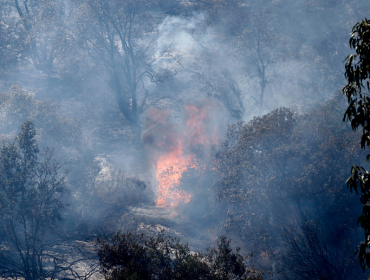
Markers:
136,256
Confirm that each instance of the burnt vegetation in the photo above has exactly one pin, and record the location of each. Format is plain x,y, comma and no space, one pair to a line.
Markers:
200,139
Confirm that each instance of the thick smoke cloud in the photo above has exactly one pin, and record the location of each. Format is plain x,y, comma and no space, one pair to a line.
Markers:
212,64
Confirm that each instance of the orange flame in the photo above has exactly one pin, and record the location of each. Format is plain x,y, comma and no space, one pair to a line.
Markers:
173,147
169,172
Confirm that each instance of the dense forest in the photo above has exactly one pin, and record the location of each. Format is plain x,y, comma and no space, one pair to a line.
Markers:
198,139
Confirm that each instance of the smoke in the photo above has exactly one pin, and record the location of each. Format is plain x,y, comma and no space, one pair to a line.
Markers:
213,53
305,60
161,133
178,31
178,145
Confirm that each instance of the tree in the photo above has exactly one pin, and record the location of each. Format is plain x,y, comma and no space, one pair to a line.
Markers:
13,45
135,256
357,90
19,106
121,36
216,80
42,22
280,166
31,191
258,44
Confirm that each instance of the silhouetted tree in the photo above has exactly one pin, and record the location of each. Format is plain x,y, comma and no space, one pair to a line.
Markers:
135,256
283,157
31,190
357,91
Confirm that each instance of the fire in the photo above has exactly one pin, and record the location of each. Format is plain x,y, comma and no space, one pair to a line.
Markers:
173,148
198,127
169,172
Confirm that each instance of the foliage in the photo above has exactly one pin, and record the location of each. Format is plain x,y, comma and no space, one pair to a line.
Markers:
135,256
13,47
18,106
276,168
357,73
31,190
43,24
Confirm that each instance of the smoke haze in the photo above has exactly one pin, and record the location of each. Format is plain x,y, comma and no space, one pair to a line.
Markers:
203,118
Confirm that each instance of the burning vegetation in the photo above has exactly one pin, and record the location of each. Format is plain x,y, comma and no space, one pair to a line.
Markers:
131,92
176,147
